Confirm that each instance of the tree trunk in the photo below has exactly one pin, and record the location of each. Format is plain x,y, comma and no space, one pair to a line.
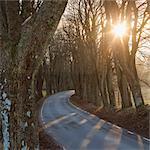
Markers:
110,87
135,86
26,48
48,79
39,79
124,90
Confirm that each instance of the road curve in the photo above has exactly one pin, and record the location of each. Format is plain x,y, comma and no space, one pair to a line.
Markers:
78,130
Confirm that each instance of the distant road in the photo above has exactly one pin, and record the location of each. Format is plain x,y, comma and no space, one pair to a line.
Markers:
79,130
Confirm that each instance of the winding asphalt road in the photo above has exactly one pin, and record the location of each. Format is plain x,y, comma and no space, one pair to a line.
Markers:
79,130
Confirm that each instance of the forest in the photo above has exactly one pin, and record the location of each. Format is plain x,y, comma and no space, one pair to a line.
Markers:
48,46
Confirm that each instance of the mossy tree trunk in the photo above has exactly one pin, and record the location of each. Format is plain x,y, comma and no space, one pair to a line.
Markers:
25,41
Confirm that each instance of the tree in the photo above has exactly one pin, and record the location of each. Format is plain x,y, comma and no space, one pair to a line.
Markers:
130,13
25,32
99,60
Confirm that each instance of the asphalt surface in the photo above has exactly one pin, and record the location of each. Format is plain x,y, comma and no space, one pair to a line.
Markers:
78,130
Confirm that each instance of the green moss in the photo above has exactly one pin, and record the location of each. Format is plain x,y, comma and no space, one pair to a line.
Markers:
50,23
13,53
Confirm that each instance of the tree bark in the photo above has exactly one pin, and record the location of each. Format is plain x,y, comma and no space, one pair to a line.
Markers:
110,86
28,42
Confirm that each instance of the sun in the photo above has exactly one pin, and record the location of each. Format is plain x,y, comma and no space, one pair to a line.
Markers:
120,29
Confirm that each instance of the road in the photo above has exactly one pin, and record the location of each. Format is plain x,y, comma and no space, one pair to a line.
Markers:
78,130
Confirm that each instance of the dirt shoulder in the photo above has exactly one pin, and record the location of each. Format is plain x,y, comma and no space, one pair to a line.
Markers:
134,120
